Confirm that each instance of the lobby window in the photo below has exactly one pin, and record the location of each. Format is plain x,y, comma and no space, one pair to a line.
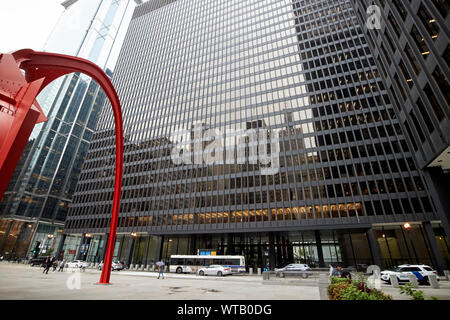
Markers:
420,42
429,22
442,83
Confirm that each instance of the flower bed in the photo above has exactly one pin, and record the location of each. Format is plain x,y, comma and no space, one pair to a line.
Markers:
344,289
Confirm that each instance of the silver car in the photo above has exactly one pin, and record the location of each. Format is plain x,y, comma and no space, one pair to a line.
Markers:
302,270
214,270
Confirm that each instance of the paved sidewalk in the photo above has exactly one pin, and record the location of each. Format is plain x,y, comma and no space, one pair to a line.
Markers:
20,281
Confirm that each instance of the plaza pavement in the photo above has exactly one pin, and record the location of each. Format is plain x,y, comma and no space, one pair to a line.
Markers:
19,282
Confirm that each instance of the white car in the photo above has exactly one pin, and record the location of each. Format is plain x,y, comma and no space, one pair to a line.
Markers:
114,266
420,271
214,270
77,264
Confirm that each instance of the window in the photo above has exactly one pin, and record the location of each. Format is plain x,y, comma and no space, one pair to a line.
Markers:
400,8
434,103
442,83
442,6
446,55
424,114
413,61
394,23
406,75
420,42
429,22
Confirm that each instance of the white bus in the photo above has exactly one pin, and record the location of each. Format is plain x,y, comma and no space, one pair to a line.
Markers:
188,264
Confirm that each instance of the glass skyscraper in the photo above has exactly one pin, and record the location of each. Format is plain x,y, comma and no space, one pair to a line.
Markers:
412,48
261,128
36,202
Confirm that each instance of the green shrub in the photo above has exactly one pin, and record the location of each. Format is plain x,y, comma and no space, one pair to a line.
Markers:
344,289
408,290
334,280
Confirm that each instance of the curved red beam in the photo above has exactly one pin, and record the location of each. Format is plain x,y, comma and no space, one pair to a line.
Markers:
41,68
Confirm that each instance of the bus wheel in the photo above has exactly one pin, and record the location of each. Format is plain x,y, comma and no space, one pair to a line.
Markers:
179,270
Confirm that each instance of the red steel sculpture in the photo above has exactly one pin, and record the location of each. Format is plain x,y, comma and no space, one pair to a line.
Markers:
19,112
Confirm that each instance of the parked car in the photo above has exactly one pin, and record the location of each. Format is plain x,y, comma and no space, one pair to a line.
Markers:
76,264
419,270
115,266
302,270
38,261
214,270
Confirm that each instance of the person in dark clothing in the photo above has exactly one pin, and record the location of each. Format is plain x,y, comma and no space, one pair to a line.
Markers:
344,273
55,264
48,265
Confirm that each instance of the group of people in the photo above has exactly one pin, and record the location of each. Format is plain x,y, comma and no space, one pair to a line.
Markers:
339,272
53,262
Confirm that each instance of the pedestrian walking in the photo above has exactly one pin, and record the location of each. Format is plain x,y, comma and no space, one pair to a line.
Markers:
55,265
333,271
61,266
160,265
48,265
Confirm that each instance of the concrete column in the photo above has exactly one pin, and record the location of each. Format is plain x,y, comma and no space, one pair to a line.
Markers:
440,265
373,245
104,247
319,249
323,286
447,274
130,251
439,185
413,280
159,247
78,255
230,244
271,250
433,281
394,280
192,248
60,246
5,236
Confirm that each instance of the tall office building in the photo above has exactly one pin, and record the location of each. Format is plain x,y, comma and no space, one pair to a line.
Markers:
260,128
36,202
412,48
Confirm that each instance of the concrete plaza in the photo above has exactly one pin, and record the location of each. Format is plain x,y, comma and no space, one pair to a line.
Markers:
19,281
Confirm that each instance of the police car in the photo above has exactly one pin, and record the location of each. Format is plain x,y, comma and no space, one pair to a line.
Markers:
419,270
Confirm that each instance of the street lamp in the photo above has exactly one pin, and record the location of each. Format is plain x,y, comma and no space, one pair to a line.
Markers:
407,226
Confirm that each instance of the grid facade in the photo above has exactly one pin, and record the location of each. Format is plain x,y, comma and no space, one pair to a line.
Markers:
412,48
300,68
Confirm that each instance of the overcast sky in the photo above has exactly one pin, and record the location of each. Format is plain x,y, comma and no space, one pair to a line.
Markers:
27,23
